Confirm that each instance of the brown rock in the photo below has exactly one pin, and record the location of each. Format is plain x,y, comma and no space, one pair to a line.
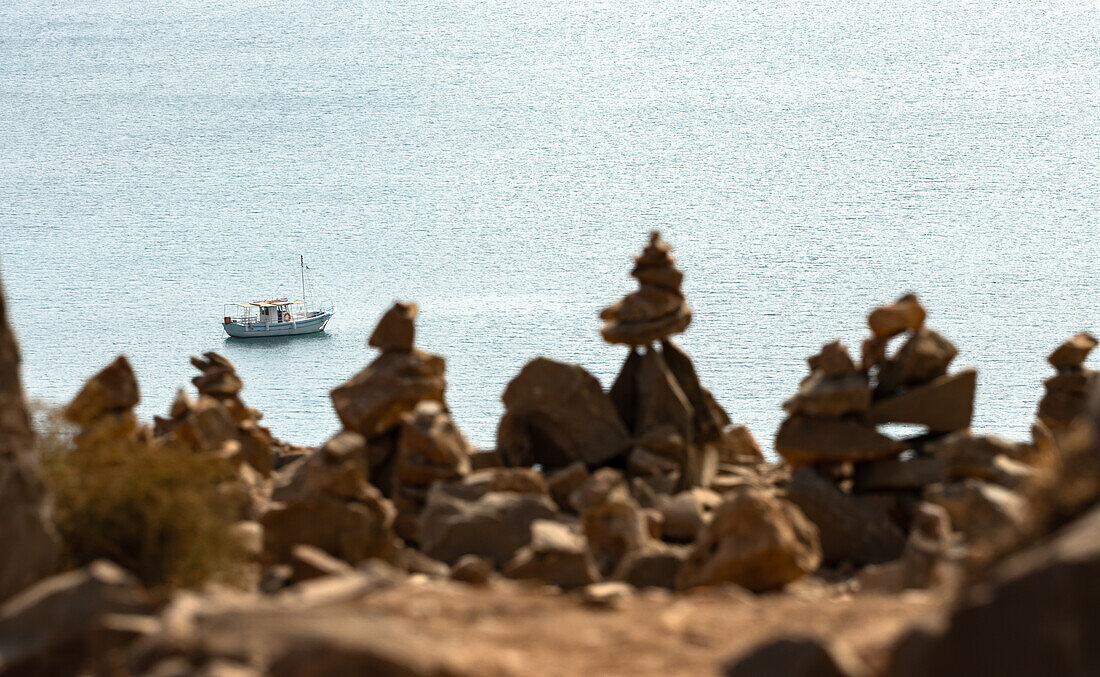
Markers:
943,405
850,530
1066,398
62,625
805,439
556,414
352,530
925,356
564,481
991,517
657,309
494,526
308,563
556,556
662,404
614,529
1038,613
472,569
397,328
902,315
710,419
624,391
788,656
337,469
756,540
983,457
833,360
653,566
113,390
218,378
1073,352
896,474
375,399
686,513
872,352
821,395
738,446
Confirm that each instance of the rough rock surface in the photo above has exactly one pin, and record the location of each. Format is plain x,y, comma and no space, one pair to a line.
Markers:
804,439
556,556
657,309
905,314
24,506
756,540
396,330
944,404
556,414
376,398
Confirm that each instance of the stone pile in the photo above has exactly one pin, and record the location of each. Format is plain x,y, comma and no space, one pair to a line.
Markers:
397,405
1067,392
863,487
219,422
103,410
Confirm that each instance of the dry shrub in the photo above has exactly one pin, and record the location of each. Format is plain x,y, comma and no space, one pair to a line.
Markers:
163,512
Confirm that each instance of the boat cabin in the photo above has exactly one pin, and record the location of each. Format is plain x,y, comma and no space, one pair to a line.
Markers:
274,311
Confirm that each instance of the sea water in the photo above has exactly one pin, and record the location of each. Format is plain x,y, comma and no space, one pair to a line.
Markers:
500,162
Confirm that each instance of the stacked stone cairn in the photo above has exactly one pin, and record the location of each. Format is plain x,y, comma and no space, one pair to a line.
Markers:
103,410
1067,393
219,422
397,405
864,488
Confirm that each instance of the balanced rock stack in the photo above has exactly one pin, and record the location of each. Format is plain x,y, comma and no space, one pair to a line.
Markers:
1067,393
850,479
397,404
219,421
675,423
103,410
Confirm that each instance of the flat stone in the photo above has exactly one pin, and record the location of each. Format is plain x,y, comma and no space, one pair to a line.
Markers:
556,556
805,439
943,405
896,474
494,526
831,396
654,566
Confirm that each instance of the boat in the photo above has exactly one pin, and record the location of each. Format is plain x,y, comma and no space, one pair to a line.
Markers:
276,317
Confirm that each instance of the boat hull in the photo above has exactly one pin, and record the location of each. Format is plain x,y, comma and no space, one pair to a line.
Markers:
310,325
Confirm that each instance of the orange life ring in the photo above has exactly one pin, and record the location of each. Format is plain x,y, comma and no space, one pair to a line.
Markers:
286,317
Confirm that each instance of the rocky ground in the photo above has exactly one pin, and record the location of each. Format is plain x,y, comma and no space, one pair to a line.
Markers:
632,530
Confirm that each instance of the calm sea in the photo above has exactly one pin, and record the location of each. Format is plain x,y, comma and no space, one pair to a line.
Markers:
501,162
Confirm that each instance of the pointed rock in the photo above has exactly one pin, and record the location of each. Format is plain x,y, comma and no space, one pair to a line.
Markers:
925,356
710,419
943,405
397,328
114,389
1073,352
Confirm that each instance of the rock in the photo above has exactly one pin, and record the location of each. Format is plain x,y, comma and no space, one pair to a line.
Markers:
849,529
564,481
376,398
756,540
966,443
337,469
600,487
24,508
991,517
905,314
480,459
473,570
352,530
112,390
657,309
62,624
872,352
709,418
943,405
397,328
925,356
653,566
555,556
308,563
1072,353
662,404
833,360
1037,613
493,526
805,439
624,391
831,396
556,414
413,561
737,445
686,513
982,457
430,449
896,474
614,529
218,378
787,656
1066,398
605,595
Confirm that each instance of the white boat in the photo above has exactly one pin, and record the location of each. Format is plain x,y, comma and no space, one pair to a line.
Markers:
276,317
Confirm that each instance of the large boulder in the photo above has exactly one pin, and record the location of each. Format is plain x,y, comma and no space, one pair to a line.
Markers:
849,529
756,540
376,398
556,414
494,525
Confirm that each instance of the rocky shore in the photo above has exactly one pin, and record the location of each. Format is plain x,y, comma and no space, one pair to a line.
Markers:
634,529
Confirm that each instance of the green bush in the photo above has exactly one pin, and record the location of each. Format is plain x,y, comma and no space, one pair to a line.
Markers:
163,512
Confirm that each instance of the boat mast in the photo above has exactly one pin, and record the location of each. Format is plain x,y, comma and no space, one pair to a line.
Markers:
302,262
